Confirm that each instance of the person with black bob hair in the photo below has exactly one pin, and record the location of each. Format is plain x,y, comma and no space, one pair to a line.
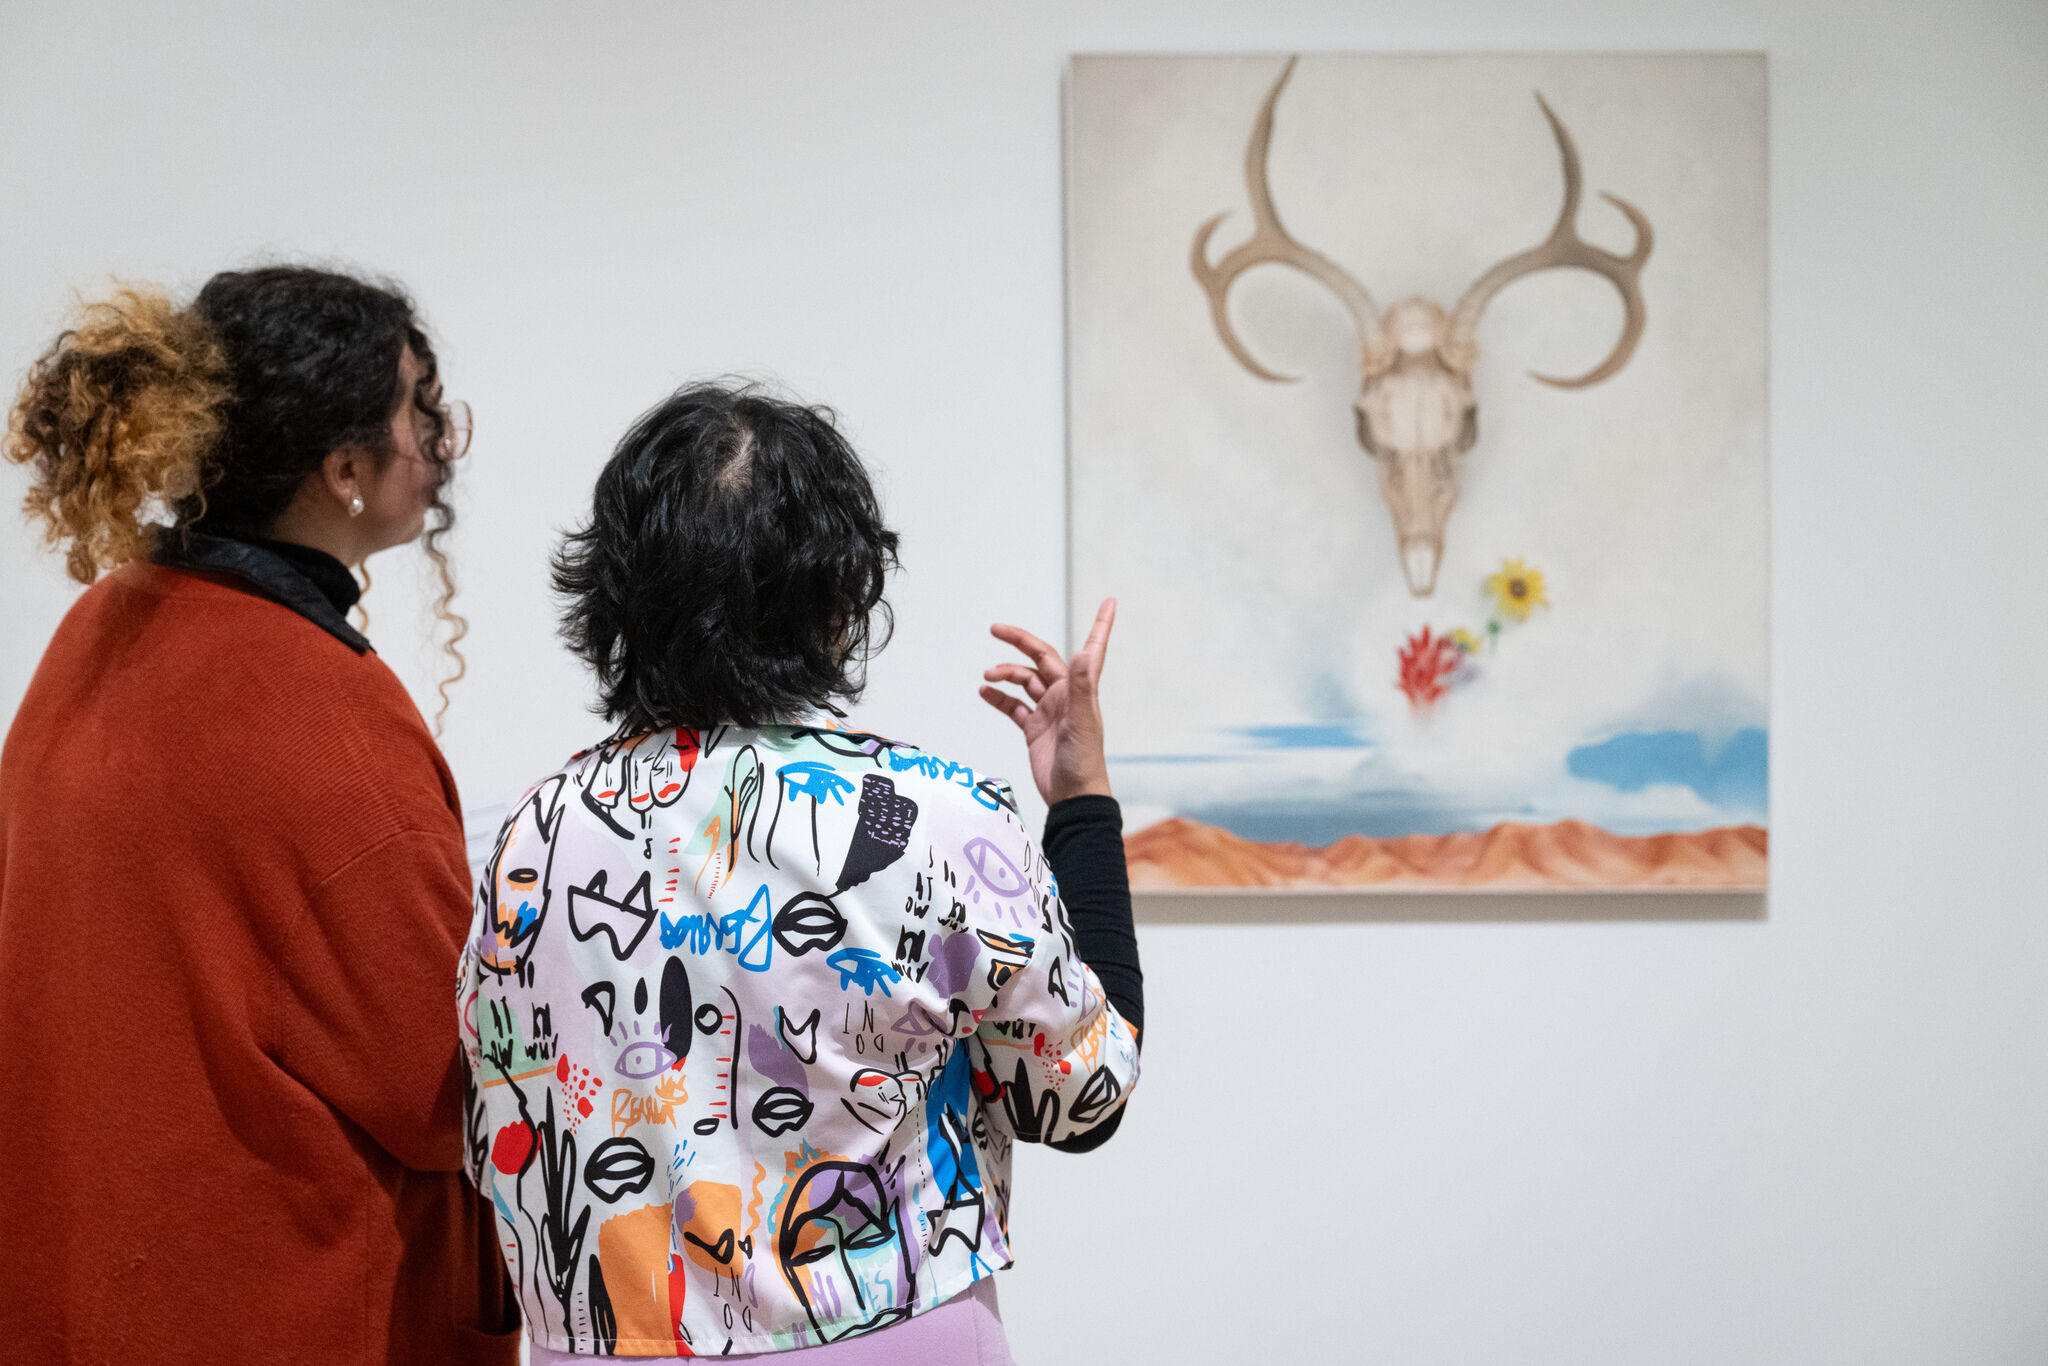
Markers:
804,988
734,560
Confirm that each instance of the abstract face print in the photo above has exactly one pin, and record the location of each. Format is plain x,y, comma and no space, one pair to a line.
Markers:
843,1252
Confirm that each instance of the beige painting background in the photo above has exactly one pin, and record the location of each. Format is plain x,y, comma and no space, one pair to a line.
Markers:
1240,523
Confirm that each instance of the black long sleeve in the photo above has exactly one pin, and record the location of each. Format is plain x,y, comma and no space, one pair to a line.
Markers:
1084,844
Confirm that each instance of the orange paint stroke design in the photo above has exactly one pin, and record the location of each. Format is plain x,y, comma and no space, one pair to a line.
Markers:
714,862
544,1069
630,1108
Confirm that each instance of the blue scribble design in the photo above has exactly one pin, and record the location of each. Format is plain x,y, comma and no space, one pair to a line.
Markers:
863,968
816,781
523,921
700,932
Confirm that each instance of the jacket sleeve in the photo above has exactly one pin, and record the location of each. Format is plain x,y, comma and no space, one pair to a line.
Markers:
363,1017
1051,1050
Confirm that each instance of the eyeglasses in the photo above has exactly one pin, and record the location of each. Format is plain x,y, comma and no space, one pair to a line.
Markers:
456,431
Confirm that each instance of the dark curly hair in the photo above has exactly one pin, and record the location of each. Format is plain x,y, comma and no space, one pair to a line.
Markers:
313,366
732,567
218,411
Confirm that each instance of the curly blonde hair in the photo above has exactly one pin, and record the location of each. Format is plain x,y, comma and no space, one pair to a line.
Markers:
119,419
145,418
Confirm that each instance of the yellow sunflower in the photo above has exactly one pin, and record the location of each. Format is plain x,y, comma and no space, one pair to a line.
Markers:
1516,590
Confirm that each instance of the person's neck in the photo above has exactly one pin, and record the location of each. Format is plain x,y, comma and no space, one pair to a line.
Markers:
322,530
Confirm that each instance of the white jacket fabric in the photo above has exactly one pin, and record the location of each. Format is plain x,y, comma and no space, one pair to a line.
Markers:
754,1019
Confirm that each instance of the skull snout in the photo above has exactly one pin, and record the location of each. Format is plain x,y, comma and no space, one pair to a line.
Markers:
1419,560
1415,420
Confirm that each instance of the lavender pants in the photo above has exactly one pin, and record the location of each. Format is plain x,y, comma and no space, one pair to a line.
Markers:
966,1330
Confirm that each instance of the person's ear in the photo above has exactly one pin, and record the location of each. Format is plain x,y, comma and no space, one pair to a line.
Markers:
345,474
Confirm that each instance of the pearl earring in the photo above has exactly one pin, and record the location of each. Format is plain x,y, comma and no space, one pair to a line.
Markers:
355,506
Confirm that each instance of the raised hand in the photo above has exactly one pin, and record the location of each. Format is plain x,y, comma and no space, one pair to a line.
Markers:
1062,720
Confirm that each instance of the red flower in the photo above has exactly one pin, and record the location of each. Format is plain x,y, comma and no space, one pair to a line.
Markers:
1427,662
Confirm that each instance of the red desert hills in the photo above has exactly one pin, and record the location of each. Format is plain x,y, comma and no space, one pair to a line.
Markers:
1180,853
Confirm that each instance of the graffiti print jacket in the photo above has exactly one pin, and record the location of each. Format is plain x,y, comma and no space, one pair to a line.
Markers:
754,1019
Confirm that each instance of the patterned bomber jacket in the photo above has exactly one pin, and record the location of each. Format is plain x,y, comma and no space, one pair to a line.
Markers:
753,1021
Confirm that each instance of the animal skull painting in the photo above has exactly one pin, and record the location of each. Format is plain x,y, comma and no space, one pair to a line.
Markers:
1416,413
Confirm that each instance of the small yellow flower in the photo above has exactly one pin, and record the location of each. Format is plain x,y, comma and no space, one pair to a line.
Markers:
1516,590
1465,640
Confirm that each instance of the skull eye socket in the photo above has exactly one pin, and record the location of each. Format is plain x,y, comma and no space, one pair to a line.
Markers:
1365,432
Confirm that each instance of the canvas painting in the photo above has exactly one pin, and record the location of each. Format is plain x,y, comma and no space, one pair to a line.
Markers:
1417,418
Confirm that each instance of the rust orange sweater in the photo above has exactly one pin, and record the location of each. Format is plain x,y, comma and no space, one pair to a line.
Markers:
232,889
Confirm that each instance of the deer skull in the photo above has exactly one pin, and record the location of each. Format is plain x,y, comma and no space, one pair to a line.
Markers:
1416,413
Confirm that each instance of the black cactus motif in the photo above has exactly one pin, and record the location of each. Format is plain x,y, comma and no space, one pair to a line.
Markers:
881,830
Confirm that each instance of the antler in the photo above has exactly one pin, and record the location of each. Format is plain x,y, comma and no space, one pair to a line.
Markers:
1562,248
1270,245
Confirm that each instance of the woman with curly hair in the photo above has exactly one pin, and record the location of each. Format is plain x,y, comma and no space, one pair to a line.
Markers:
232,878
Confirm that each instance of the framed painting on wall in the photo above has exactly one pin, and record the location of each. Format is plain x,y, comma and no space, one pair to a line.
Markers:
1417,417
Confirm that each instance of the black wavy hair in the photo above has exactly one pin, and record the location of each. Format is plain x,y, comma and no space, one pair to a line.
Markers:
732,566
313,366
313,361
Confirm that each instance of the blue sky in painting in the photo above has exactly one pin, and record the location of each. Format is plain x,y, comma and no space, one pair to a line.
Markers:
1738,776
1317,783
1337,735
1381,815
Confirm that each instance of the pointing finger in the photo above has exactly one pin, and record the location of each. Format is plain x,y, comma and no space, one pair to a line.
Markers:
1098,635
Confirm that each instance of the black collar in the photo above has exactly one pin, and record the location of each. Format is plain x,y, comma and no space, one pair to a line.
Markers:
311,582
328,574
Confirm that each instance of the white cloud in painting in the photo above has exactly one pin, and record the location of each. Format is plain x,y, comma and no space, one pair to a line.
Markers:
1644,770
1711,703
1654,809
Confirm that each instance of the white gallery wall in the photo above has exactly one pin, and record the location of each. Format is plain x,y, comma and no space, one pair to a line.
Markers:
1369,1130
